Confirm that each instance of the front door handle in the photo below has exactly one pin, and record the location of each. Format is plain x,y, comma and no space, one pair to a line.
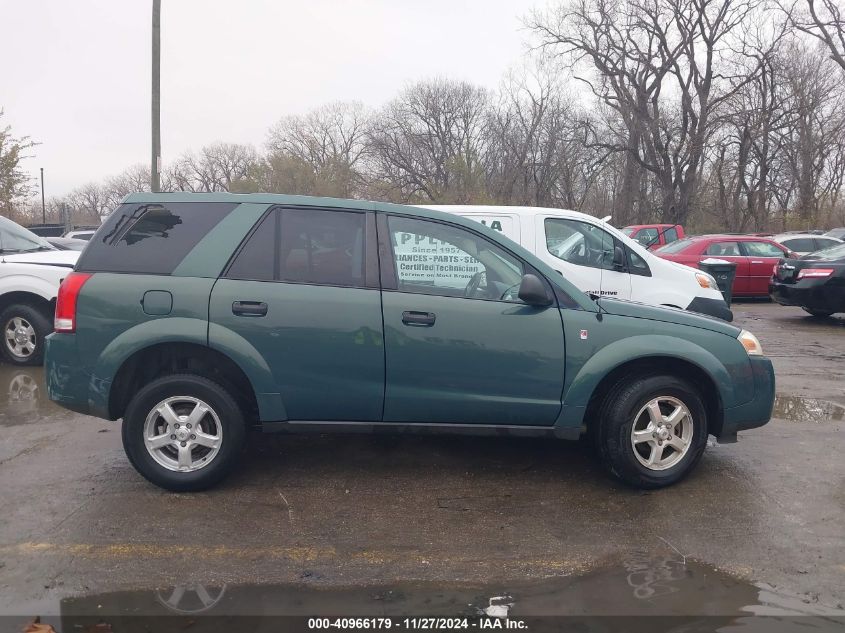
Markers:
249,308
422,319
754,261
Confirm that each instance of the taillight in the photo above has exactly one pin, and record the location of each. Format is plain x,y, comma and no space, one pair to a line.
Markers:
65,320
815,272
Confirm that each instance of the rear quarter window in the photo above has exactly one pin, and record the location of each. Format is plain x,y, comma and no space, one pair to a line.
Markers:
151,239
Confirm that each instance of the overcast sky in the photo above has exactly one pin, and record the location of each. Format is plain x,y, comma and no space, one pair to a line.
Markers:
75,76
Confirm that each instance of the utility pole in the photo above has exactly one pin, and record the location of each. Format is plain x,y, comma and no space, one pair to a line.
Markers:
155,164
43,206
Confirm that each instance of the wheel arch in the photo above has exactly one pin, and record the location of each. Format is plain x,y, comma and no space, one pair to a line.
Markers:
37,300
690,372
166,358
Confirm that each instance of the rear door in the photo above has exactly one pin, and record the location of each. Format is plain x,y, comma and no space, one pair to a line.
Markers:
303,293
762,258
460,346
730,250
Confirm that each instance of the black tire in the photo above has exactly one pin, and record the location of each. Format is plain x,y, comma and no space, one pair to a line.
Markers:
30,316
617,418
820,314
188,385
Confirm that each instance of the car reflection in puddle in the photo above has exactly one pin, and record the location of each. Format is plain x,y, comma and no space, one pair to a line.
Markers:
23,396
798,409
684,594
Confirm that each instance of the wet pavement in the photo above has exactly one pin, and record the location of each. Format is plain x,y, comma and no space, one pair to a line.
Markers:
435,525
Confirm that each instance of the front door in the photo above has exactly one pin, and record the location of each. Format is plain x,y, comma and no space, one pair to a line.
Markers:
583,253
762,258
303,294
460,347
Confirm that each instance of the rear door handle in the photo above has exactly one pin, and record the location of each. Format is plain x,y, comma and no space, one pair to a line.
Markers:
423,319
249,308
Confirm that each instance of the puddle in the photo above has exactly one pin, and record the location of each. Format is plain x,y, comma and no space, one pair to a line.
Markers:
23,396
798,409
679,590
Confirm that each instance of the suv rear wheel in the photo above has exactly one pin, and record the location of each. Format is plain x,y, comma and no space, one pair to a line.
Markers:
652,430
24,329
183,432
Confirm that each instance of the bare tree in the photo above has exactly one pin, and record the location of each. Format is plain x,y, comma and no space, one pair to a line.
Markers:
427,143
823,20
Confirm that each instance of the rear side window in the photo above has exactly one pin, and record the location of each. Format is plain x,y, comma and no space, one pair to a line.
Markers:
762,249
800,244
151,239
724,249
313,246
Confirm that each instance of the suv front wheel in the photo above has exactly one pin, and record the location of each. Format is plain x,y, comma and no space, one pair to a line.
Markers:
652,430
183,432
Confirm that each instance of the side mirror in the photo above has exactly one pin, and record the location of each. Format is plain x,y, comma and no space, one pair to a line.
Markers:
533,291
618,258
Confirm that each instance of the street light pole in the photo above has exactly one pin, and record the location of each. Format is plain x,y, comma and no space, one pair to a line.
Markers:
155,164
43,206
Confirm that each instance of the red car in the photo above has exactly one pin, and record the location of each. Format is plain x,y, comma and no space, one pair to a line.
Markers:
654,236
755,258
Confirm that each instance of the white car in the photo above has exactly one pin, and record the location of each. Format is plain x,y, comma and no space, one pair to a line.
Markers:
805,243
599,259
30,273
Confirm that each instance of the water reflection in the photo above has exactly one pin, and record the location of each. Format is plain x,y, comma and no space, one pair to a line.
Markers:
798,409
23,396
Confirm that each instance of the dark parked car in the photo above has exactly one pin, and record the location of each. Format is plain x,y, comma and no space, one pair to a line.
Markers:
815,282
754,257
195,316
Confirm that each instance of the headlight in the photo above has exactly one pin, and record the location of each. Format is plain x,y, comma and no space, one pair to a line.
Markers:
706,281
750,343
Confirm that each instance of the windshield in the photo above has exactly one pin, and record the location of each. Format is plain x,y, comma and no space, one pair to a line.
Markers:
828,254
16,239
675,247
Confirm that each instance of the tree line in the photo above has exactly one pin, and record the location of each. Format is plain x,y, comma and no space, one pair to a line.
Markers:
718,114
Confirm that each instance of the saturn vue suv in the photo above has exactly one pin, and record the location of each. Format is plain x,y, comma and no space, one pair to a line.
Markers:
197,317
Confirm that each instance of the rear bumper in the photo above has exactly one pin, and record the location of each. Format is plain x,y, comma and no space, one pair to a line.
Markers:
816,294
757,411
711,307
68,384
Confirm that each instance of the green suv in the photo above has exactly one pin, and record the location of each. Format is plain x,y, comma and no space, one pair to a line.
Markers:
194,317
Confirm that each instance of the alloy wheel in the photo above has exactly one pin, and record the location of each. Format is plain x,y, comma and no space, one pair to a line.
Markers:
662,433
183,434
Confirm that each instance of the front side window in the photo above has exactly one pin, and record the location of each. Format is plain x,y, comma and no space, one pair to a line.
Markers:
637,265
762,249
442,259
723,249
580,243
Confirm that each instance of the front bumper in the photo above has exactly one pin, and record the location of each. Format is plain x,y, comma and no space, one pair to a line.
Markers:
711,307
757,411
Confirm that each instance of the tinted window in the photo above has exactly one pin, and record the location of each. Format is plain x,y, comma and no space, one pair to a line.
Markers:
762,249
151,239
580,243
442,259
723,249
822,243
256,258
322,247
671,234
800,244
675,247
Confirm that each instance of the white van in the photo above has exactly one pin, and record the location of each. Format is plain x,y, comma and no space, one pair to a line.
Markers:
599,258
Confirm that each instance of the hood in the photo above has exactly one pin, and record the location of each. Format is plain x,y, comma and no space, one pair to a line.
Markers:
55,258
636,310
